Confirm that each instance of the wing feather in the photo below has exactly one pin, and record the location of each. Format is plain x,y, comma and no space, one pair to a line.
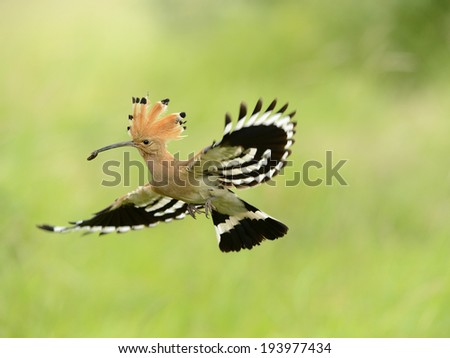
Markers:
251,153
135,210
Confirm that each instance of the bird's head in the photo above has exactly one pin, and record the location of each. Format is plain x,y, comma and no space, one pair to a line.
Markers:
149,131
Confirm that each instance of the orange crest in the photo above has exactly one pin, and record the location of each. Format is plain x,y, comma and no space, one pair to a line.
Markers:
146,121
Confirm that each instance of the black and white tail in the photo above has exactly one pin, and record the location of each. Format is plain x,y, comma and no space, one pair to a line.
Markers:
261,143
246,229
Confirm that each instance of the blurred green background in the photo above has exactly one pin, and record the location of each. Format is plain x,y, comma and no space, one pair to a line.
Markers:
370,81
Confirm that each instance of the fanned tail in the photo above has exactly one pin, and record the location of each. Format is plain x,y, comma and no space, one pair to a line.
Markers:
247,229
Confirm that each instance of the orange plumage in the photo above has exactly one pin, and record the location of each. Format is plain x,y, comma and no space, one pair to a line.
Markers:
146,121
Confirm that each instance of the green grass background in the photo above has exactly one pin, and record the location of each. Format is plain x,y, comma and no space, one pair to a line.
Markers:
370,82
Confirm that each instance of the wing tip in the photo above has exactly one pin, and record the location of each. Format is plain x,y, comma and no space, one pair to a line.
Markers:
242,110
46,227
227,118
272,105
258,106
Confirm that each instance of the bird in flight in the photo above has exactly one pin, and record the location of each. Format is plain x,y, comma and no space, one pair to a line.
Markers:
250,153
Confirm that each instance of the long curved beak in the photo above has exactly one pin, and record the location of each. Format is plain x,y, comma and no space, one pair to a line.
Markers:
111,146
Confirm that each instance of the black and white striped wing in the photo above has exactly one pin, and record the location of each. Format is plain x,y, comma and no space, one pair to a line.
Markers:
252,152
133,211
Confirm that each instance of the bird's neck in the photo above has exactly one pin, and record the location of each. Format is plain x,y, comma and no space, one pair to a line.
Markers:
161,165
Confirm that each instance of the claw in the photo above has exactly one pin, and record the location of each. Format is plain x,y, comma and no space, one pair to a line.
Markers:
192,210
209,207
196,209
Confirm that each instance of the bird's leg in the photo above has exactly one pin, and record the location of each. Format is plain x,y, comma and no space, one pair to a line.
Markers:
193,209
209,207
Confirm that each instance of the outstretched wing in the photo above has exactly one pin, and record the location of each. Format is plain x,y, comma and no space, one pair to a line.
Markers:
251,153
135,210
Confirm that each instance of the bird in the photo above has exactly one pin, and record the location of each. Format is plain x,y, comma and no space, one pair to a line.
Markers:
250,153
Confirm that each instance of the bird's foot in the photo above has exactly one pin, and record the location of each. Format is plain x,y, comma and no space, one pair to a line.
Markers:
193,209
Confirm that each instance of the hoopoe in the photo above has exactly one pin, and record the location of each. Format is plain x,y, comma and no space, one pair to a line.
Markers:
252,152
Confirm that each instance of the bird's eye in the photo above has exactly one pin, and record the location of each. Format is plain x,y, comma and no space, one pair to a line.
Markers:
146,141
